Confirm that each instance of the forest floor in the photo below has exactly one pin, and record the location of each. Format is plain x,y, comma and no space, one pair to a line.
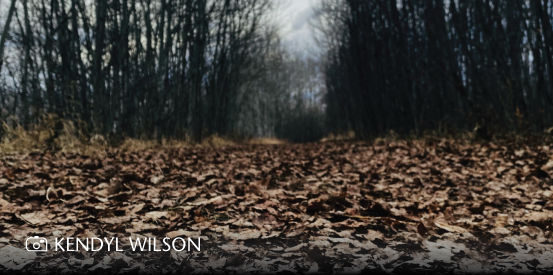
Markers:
403,206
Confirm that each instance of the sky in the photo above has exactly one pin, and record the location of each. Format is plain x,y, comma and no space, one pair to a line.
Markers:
293,16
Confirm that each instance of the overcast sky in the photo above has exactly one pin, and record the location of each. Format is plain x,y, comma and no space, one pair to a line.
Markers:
293,16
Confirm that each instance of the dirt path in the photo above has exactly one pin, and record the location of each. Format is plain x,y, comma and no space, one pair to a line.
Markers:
341,208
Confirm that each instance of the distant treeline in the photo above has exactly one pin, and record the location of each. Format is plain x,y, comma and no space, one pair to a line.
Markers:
151,69
416,65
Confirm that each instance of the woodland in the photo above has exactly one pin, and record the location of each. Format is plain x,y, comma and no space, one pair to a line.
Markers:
415,138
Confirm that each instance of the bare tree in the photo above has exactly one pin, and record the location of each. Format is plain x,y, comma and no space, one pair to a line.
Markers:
5,32
414,65
142,68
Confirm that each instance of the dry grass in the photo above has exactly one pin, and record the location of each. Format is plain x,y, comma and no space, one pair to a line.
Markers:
139,144
217,141
349,136
18,139
266,141
40,137
130,144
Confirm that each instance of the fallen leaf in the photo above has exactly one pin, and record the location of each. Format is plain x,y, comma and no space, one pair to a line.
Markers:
14,258
155,215
422,230
36,218
450,228
182,232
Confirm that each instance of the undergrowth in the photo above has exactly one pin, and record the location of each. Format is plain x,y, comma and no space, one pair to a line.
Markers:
42,136
460,137
71,137
51,133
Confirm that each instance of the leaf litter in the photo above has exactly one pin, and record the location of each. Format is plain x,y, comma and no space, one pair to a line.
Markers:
414,206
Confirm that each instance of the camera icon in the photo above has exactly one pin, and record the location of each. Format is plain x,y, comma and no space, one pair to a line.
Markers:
36,243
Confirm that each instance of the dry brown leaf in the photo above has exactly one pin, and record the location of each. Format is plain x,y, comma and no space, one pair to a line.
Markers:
448,227
538,216
36,218
182,232
157,179
422,230
358,199
14,258
155,215
247,234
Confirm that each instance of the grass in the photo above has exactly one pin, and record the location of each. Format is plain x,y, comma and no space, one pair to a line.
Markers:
266,141
71,138
40,137
348,136
217,141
